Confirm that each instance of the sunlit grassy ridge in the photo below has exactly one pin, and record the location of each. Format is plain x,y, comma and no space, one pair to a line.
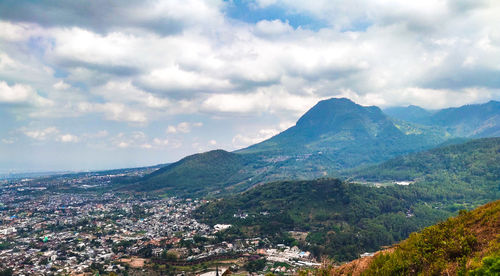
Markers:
467,244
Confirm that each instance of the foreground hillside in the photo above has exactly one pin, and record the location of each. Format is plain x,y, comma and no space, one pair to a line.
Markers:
468,244
343,219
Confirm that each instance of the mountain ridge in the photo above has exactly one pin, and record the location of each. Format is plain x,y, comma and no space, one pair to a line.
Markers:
334,135
472,120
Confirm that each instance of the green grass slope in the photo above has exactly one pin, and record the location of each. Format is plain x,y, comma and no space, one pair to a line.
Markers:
465,245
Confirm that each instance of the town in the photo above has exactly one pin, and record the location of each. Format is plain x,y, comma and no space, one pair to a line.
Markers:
78,230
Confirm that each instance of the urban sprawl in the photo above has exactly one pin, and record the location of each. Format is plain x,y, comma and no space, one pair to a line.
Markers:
58,226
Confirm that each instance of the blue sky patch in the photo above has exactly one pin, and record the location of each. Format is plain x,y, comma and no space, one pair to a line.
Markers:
248,11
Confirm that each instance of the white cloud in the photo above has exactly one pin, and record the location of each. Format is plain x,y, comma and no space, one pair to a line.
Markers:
8,140
146,146
68,138
183,127
21,93
61,85
240,140
123,144
17,32
171,129
126,92
174,79
390,46
160,142
271,100
158,61
140,140
6,62
121,112
49,134
101,134
40,134
273,28
80,45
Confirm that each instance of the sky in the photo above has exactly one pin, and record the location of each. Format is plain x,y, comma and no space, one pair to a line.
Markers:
88,85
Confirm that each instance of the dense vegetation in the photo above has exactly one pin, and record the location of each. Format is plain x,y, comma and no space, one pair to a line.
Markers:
477,155
469,243
345,219
470,170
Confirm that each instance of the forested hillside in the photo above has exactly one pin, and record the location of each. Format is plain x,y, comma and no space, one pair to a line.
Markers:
470,170
345,219
342,220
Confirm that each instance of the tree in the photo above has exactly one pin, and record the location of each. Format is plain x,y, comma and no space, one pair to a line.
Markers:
6,272
257,265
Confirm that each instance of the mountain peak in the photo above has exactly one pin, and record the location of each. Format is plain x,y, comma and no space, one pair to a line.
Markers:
342,100
340,129
339,113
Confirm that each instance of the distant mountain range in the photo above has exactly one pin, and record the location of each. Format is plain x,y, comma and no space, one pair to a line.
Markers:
334,135
477,120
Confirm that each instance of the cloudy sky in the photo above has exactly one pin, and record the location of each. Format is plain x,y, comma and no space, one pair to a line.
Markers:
108,84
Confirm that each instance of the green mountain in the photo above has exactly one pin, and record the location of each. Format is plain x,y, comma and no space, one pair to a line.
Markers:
348,135
476,120
333,135
198,174
345,219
